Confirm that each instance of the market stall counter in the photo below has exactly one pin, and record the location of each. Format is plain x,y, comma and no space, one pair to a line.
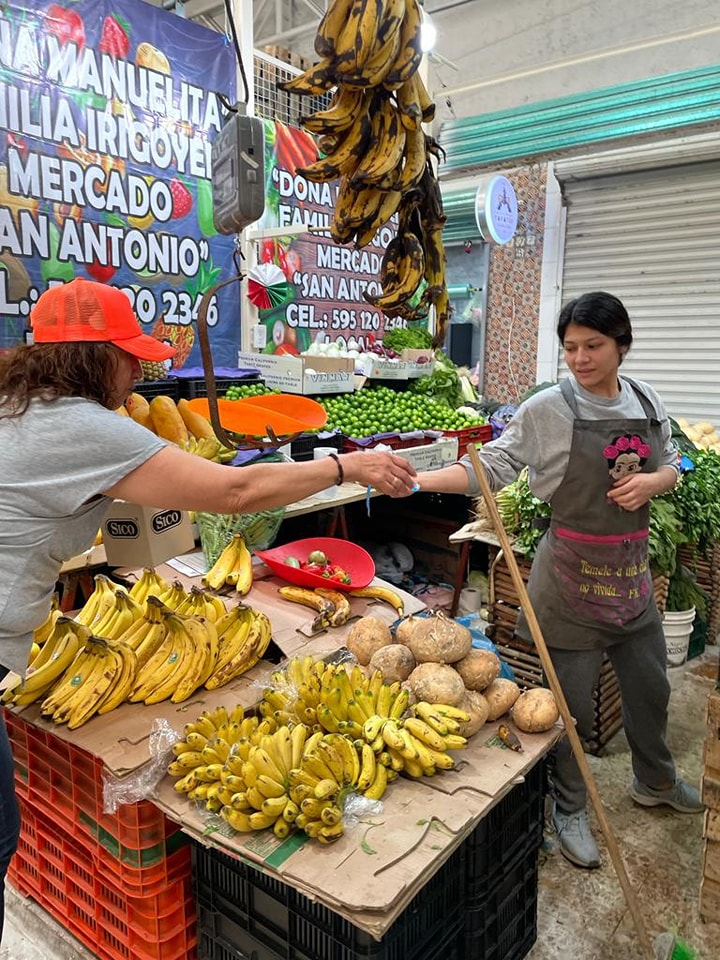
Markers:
367,879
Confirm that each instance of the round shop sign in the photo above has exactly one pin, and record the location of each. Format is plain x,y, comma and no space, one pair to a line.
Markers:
496,211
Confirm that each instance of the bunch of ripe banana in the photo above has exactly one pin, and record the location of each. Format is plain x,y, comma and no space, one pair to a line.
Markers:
328,696
244,635
232,568
373,142
332,606
61,638
99,679
414,745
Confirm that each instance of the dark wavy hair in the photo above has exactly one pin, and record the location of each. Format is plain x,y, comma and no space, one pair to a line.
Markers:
51,370
600,311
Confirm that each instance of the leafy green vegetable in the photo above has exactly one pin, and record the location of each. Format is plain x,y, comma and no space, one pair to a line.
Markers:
522,514
442,384
405,338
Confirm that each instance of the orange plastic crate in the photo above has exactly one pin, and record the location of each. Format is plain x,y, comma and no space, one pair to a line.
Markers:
134,845
62,875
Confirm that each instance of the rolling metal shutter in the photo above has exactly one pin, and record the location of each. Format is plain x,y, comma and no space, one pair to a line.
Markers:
653,239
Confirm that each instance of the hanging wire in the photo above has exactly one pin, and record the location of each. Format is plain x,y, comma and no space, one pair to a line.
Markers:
236,44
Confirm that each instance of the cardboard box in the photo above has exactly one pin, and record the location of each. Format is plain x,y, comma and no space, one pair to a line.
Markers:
135,536
304,375
377,368
432,456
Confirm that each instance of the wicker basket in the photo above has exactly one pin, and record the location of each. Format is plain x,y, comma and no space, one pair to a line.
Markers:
706,569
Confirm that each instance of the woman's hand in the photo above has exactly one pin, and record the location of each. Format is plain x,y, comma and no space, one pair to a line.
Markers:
387,472
636,489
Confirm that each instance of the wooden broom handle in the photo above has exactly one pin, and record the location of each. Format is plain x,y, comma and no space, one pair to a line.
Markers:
554,684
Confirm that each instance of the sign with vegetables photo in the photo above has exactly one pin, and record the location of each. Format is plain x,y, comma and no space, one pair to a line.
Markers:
323,301
107,115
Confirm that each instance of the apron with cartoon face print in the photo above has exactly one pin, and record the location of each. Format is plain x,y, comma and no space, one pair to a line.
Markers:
591,568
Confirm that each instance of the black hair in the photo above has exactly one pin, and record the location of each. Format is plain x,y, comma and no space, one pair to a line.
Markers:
600,311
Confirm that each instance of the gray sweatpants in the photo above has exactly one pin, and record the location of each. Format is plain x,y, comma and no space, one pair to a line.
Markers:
640,668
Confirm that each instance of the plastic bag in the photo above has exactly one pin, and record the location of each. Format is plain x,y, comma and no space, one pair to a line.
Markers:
141,784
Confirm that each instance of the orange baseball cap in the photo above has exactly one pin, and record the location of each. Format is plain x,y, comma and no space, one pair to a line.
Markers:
85,311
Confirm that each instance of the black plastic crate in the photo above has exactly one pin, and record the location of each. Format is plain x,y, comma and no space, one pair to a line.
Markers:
191,387
303,448
158,388
511,829
502,925
247,911
222,939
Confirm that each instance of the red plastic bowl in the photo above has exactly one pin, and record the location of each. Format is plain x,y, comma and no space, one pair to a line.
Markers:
355,561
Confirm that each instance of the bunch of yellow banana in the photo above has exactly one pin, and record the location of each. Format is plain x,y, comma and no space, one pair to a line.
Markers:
199,759
232,568
332,606
146,634
181,663
386,594
58,651
332,768
117,618
295,692
244,635
174,595
202,603
100,600
209,448
44,631
98,679
149,583
412,745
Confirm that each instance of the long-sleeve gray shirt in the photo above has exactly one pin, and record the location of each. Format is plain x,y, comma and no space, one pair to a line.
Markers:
539,436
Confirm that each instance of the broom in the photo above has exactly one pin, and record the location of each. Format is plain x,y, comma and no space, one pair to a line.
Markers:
667,946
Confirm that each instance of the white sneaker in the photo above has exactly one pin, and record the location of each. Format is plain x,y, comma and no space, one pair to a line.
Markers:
577,843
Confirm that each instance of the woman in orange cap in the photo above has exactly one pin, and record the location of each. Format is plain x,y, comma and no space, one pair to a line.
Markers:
66,455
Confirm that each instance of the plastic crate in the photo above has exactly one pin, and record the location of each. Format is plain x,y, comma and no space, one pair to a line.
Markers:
512,829
396,441
470,435
61,874
502,925
303,448
191,387
158,388
245,912
137,845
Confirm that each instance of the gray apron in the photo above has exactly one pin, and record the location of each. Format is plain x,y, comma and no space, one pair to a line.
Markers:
590,583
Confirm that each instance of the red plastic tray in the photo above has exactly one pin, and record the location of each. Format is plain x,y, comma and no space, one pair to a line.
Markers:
468,435
356,562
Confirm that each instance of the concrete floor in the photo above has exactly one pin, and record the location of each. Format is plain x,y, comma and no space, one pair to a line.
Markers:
582,915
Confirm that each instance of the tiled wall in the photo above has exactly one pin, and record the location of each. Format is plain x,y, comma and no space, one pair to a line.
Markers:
513,300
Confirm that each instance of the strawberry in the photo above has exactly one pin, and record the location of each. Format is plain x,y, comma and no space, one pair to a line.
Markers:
115,38
66,25
181,198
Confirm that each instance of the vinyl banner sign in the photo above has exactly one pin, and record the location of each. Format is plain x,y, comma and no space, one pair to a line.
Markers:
325,281
107,115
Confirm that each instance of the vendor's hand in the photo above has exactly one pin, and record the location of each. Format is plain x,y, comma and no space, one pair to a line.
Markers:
386,472
633,491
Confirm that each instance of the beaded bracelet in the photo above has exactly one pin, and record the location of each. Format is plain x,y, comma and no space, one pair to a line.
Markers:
340,471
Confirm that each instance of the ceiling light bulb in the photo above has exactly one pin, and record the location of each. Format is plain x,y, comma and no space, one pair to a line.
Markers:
428,34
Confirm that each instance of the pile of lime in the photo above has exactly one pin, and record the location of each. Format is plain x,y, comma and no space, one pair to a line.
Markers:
382,410
247,390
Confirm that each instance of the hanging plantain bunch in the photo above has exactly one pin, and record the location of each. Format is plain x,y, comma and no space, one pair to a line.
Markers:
372,141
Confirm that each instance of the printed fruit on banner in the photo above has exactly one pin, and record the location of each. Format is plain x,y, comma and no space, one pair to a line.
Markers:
66,25
371,139
115,38
181,199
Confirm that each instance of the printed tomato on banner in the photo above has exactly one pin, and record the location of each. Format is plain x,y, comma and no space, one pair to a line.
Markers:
107,115
324,298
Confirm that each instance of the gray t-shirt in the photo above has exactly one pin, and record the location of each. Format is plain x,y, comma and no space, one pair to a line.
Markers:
539,436
56,460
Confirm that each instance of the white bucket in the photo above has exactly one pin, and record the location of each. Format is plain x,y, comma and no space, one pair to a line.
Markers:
677,627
